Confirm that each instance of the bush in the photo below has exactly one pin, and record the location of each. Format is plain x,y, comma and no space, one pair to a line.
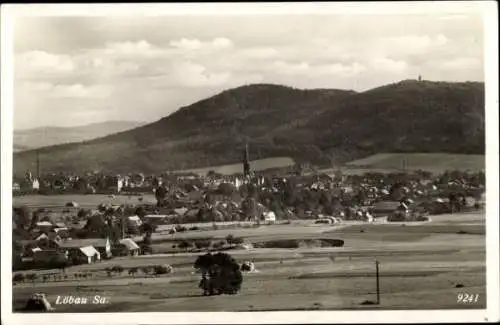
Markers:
185,244
238,240
219,244
229,239
133,271
180,228
19,277
117,269
162,269
146,270
202,244
194,228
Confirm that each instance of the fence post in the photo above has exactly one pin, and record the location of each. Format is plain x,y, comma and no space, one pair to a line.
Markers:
378,281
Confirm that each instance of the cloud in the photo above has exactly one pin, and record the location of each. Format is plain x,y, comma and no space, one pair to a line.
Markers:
462,63
114,66
35,62
68,91
195,44
389,65
191,74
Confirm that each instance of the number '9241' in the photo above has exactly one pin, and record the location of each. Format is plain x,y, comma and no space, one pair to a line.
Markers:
467,298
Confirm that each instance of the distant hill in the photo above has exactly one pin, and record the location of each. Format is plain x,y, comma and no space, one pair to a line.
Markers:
49,136
320,126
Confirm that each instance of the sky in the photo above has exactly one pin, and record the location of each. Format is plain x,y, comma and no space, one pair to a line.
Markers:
78,70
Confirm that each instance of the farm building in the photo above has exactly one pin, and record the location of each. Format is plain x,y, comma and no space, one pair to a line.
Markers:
269,217
134,221
85,255
131,246
44,226
72,204
385,208
103,246
41,256
155,219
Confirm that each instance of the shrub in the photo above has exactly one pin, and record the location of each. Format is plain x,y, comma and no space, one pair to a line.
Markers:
162,269
146,270
133,271
194,228
229,239
238,240
202,244
19,277
185,244
180,228
117,269
219,244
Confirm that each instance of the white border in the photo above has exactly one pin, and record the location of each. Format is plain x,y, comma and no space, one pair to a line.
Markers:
489,10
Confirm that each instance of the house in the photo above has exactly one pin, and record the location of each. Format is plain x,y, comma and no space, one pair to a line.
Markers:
72,204
44,226
385,208
102,245
84,255
42,256
131,246
134,221
269,217
155,219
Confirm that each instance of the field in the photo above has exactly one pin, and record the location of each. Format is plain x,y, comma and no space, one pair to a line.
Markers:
422,266
256,165
84,201
432,162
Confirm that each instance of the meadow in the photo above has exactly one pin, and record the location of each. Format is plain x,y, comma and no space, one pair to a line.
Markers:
256,165
432,162
422,266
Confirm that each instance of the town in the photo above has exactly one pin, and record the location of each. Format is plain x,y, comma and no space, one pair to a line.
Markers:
44,238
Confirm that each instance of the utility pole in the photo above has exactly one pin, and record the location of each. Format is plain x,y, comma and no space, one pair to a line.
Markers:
378,282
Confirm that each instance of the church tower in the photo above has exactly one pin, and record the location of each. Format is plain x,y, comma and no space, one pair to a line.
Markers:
246,162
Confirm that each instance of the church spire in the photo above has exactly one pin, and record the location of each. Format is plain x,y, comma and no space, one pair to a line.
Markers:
246,163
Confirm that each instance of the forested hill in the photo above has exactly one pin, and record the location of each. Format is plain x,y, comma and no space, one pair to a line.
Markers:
318,126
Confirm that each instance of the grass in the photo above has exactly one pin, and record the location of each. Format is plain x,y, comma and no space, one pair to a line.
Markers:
420,269
85,201
432,162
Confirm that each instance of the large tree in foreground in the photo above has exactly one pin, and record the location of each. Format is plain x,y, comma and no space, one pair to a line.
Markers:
220,274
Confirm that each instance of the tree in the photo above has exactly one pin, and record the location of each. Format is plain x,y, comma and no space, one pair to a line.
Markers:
226,189
19,277
162,269
230,239
146,270
118,269
238,241
185,244
133,271
82,213
21,217
140,212
202,244
32,277
220,274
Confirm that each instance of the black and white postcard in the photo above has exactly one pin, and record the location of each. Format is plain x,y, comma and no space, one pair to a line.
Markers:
196,163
